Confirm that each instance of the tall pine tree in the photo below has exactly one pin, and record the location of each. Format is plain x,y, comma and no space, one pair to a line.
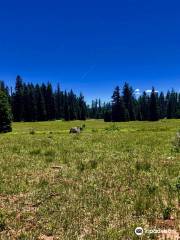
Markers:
153,107
5,113
40,104
58,103
18,101
82,107
119,112
129,101
50,103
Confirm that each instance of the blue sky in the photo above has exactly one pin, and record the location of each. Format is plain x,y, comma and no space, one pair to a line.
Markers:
91,46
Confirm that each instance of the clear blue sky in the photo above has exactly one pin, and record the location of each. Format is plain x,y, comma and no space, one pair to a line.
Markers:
91,46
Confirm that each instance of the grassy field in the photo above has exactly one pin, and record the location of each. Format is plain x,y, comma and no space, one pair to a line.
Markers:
99,184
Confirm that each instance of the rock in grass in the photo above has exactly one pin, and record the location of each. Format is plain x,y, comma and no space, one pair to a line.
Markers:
75,130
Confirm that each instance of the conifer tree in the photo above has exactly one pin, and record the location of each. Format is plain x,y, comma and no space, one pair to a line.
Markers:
144,107
153,107
72,106
107,113
116,102
5,113
4,88
82,107
40,103
18,102
119,112
66,107
129,101
58,103
50,104
172,105
27,108
162,106
178,106
33,102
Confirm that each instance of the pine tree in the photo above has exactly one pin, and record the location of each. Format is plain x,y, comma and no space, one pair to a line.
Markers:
172,105
116,101
93,109
27,108
40,103
4,88
58,103
5,113
18,102
82,107
143,103
100,113
119,112
153,107
66,107
33,102
129,101
139,116
162,106
178,106
72,106
107,112
50,103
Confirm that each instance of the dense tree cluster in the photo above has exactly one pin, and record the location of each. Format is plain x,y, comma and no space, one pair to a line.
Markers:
152,107
40,102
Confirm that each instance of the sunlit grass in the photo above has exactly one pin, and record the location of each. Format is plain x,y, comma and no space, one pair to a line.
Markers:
99,184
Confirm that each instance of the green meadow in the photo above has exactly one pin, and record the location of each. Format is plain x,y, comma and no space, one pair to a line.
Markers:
99,184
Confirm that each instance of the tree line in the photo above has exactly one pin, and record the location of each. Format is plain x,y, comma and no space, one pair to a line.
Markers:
40,102
152,107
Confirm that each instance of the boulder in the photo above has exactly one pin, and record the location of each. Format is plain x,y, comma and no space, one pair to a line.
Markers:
75,130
